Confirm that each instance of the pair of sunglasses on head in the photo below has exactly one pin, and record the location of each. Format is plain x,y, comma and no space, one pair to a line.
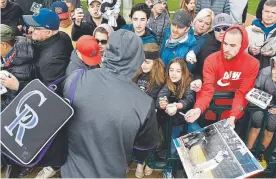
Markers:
218,29
101,41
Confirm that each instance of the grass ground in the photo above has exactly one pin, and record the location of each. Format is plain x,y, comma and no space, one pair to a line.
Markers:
252,6
174,5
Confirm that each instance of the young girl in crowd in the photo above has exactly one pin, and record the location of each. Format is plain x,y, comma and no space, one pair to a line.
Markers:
175,97
101,34
266,82
189,6
150,78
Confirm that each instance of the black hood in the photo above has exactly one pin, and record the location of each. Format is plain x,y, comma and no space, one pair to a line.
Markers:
124,54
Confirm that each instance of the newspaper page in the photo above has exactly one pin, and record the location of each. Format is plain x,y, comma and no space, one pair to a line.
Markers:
259,98
216,151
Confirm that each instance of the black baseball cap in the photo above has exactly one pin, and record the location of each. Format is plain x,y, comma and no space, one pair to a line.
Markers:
182,18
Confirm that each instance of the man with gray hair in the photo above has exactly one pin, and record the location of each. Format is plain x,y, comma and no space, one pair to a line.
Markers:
159,18
262,33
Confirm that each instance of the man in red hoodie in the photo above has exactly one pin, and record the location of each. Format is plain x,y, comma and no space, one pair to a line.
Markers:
229,70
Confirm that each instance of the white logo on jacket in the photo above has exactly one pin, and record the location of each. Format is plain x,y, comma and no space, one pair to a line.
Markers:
231,75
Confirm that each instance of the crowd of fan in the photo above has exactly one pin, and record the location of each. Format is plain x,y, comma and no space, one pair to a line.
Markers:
177,62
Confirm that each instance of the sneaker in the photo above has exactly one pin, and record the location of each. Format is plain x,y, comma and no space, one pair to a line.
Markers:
148,170
139,173
46,172
127,170
167,173
262,160
25,172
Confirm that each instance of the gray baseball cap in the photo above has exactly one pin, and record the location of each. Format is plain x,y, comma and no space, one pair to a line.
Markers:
182,18
158,1
222,19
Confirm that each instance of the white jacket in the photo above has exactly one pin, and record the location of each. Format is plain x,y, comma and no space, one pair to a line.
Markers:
236,10
257,37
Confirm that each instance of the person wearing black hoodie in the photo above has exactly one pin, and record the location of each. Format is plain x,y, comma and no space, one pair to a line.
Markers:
112,115
85,23
81,57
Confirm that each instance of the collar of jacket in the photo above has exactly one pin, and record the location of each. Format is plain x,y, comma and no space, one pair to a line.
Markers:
260,25
188,40
45,43
160,16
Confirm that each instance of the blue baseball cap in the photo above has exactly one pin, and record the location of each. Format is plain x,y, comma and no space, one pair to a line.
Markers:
61,9
43,18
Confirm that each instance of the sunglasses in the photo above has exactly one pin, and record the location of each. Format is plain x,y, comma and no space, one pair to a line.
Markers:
101,41
218,29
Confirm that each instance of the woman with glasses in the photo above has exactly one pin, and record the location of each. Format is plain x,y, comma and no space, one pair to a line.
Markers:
101,34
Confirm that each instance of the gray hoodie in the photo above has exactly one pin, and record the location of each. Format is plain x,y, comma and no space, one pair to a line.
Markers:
111,113
264,81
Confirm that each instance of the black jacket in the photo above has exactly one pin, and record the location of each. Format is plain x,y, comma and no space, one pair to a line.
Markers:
27,4
143,83
260,9
11,15
188,101
53,56
76,63
211,45
88,26
22,67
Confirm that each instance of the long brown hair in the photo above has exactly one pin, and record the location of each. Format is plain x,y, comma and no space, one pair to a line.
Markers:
157,73
184,7
179,90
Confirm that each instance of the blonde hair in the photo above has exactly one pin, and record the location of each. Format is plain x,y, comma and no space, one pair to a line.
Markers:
206,12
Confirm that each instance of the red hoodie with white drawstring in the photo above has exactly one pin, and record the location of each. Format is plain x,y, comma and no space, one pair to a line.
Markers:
220,75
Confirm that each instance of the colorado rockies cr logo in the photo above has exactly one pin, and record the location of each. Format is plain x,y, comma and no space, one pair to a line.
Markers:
22,117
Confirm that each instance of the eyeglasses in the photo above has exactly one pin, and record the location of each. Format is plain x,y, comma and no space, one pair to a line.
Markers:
101,41
218,29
